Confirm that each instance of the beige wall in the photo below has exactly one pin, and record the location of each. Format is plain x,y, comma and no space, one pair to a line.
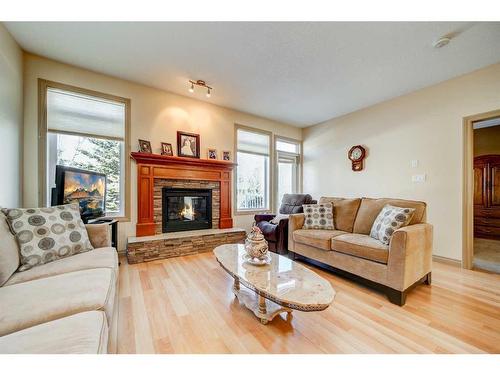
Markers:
156,115
487,141
11,119
425,125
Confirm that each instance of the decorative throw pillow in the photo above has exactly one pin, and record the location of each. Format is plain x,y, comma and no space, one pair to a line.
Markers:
388,220
48,234
318,216
276,220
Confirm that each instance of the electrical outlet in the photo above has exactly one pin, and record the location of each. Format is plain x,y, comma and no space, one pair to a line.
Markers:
418,178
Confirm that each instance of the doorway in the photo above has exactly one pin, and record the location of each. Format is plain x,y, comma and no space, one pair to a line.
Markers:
482,202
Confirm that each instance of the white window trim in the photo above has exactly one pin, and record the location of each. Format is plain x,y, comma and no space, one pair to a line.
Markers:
43,86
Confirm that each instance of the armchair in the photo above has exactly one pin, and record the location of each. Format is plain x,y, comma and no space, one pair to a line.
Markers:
277,234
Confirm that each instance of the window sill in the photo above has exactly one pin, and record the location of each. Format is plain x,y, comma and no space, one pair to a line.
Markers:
252,212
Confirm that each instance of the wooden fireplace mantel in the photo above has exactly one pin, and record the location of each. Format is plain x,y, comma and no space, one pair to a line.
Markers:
151,166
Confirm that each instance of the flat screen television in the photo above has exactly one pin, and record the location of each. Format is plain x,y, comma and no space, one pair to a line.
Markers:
87,188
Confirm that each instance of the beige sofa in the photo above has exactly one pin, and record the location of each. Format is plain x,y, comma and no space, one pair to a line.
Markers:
66,306
393,268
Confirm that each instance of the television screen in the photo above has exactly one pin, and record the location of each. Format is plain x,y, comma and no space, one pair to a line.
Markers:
87,188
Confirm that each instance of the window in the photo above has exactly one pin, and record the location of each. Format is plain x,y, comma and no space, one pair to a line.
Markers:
89,131
253,172
287,168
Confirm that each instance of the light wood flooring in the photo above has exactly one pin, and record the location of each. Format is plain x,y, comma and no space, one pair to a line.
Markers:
185,305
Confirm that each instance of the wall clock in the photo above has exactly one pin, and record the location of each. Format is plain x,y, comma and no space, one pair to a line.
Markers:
356,155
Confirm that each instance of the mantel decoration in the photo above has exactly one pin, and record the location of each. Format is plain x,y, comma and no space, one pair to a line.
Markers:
212,153
166,149
145,146
256,248
188,145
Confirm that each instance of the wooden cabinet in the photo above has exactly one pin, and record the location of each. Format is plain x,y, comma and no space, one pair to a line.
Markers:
487,196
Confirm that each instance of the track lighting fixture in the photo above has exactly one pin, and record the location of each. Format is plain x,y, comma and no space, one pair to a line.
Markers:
201,83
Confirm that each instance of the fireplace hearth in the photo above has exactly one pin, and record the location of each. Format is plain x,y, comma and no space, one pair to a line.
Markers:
186,209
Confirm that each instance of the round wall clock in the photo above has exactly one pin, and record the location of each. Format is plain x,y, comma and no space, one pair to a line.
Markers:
356,155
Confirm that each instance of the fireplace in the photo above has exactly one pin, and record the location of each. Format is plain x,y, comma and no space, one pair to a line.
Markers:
186,209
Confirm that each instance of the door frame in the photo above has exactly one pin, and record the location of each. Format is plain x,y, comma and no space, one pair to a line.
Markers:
468,185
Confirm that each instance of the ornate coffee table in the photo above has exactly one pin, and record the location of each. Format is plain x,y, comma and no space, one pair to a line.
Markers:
281,286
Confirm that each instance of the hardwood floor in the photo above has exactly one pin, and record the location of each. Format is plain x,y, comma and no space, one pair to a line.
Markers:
185,305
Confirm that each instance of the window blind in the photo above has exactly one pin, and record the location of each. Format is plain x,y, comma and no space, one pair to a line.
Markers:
75,113
255,143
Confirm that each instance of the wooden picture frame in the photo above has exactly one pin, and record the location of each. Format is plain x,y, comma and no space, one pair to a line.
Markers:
226,155
188,145
212,154
145,146
166,149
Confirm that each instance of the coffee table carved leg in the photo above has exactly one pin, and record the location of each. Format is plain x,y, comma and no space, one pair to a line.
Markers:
265,310
262,309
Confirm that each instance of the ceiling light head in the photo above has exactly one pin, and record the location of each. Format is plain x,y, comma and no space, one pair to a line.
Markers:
200,83
441,42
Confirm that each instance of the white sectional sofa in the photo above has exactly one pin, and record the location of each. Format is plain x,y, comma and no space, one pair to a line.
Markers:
66,306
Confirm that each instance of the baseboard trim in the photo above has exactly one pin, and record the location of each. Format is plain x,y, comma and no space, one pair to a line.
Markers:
449,261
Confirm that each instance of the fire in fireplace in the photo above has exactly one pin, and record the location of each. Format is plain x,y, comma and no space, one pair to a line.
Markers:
186,209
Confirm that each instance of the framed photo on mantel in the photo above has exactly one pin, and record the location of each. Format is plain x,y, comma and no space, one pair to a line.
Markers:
212,154
188,145
166,149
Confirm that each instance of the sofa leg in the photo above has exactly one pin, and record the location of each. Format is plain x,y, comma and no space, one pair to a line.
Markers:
291,255
397,297
428,279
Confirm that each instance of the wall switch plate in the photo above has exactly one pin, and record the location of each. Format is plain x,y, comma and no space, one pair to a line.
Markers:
418,178
414,163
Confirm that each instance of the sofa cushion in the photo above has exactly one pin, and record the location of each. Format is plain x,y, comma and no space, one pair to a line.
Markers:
9,251
319,238
48,234
388,220
99,258
370,208
83,333
99,234
39,301
361,246
318,216
344,211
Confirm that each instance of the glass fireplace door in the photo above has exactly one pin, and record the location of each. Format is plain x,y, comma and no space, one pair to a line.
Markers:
186,209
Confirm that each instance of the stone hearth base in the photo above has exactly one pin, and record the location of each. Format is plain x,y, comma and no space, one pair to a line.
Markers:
168,245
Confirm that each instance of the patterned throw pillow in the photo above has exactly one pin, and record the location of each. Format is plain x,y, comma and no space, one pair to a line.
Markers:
48,234
318,216
388,220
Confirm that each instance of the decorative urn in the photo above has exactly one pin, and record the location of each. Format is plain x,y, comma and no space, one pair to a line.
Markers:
255,244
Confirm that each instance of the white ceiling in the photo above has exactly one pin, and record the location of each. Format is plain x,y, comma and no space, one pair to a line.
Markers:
298,73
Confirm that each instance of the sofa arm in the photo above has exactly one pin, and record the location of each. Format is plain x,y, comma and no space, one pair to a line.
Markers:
99,235
263,217
295,221
410,255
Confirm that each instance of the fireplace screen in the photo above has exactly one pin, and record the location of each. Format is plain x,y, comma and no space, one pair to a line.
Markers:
186,209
